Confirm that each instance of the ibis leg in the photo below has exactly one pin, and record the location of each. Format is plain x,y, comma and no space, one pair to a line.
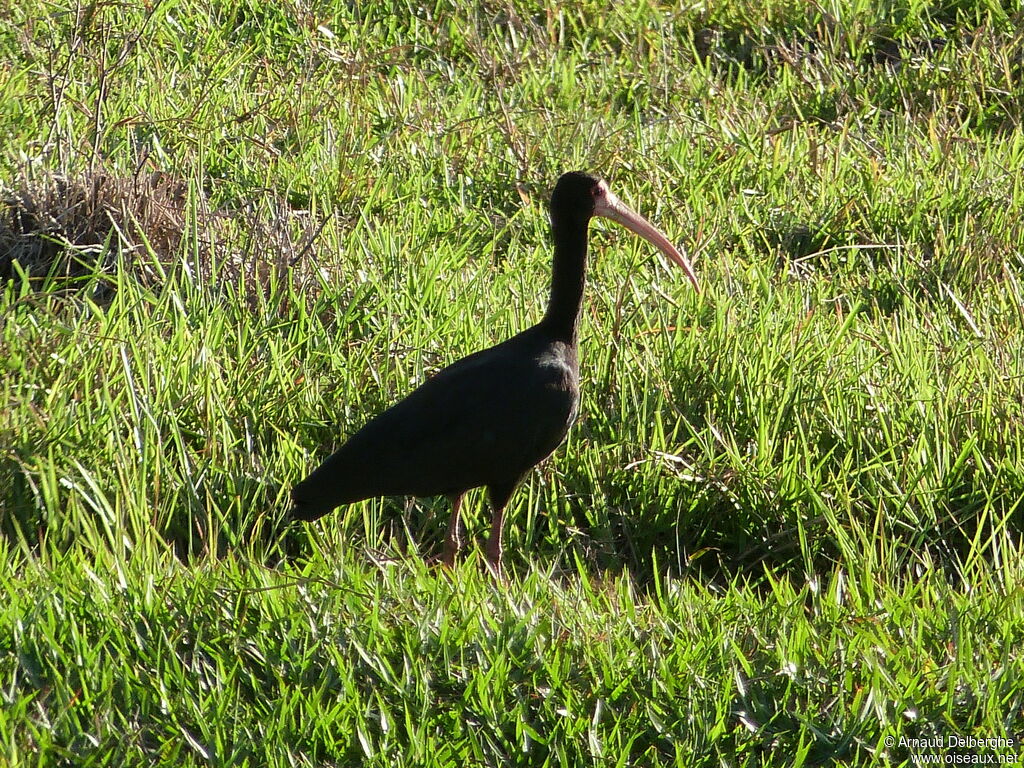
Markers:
499,495
453,541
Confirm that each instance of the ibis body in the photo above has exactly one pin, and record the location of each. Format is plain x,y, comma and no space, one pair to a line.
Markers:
488,418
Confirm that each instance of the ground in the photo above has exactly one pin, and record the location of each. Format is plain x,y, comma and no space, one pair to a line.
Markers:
786,528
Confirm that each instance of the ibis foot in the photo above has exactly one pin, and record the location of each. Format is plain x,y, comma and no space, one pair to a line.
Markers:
499,495
453,540
493,554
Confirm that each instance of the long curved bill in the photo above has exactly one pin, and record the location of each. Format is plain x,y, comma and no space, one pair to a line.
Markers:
610,207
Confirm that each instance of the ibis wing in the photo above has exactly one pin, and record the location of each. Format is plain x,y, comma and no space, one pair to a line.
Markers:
490,419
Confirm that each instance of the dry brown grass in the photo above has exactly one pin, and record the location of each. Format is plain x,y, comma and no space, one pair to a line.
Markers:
57,231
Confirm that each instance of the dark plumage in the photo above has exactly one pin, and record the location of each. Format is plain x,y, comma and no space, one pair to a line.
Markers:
487,419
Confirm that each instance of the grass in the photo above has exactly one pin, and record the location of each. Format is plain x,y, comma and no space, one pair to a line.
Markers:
395,665
787,526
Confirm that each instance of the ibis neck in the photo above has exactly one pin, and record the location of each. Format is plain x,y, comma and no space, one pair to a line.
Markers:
568,273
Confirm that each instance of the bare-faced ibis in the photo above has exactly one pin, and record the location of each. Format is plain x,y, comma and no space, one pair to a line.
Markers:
487,419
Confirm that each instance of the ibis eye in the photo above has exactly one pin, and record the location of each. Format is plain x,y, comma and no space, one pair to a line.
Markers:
598,192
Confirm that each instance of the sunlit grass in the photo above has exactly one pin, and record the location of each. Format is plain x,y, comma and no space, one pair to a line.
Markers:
787,523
